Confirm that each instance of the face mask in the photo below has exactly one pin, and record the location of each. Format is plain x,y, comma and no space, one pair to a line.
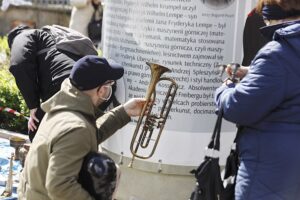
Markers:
110,93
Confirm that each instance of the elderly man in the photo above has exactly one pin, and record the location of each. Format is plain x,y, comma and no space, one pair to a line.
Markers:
71,129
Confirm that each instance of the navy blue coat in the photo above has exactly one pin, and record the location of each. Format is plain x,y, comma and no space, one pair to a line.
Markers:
267,104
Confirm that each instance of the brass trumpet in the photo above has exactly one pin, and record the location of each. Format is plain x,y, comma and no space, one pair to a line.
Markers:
143,135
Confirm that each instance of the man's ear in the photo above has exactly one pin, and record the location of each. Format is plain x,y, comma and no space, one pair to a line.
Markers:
99,90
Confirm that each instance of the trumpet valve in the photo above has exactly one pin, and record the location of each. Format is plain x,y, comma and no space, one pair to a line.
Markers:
160,121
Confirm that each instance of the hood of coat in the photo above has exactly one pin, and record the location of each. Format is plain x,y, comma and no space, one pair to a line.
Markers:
291,35
286,29
14,32
69,98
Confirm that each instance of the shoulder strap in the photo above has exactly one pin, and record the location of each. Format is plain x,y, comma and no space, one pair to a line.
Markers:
238,133
215,138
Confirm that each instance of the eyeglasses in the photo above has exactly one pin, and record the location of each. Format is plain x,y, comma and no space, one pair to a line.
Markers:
109,83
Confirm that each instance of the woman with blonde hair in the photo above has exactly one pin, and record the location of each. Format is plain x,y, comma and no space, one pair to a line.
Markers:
266,104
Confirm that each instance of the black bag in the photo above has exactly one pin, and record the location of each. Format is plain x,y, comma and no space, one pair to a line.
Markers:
95,25
209,184
98,175
230,171
68,40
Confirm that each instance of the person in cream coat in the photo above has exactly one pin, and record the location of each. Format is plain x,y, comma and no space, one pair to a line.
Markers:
82,13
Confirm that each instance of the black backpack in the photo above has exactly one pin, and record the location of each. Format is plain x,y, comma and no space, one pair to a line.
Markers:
69,40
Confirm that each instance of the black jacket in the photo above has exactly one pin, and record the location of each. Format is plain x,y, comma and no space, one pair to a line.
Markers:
38,76
253,40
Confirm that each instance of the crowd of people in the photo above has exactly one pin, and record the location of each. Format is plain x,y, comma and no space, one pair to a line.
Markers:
64,91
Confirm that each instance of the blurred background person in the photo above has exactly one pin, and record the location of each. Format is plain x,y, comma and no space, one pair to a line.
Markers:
253,40
82,16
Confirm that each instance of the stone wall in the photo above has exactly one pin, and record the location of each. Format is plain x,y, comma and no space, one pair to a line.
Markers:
34,16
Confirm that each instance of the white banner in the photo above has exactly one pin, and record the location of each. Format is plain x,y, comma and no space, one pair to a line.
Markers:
190,37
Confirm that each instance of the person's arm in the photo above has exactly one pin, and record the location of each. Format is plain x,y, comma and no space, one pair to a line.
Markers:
118,117
67,154
24,68
261,91
110,122
26,80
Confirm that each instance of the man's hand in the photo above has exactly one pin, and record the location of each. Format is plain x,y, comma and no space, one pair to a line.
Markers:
134,106
32,120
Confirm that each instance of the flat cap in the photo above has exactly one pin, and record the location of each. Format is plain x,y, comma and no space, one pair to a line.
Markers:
92,71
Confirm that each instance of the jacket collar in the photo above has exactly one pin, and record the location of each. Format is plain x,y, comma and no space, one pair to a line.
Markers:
270,32
69,98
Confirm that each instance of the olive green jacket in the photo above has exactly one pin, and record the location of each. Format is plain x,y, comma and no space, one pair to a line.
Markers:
66,134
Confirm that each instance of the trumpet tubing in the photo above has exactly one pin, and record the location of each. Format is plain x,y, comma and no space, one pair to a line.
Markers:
143,135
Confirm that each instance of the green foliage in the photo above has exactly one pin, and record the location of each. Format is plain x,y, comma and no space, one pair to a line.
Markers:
4,45
9,94
4,52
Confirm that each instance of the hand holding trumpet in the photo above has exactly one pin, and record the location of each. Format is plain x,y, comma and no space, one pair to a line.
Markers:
134,106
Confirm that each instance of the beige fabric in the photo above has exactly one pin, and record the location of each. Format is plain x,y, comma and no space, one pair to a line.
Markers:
66,134
79,3
81,16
